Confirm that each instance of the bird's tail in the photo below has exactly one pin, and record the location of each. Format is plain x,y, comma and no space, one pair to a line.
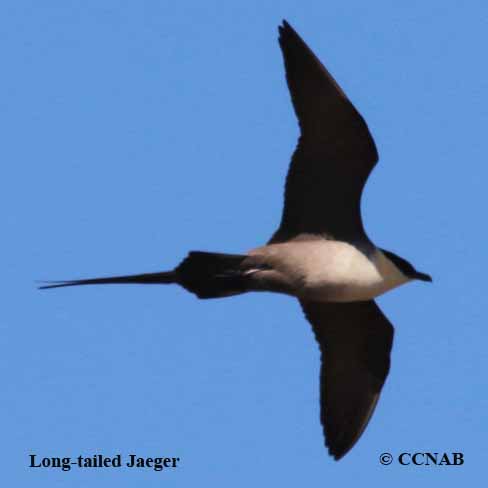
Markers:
206,274
164,277
213,275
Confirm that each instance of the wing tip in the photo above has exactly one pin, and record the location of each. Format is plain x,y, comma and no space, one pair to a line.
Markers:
340,445
285,24
337,450
286,30
337,456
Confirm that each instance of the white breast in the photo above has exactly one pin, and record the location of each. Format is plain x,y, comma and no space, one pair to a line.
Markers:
333,271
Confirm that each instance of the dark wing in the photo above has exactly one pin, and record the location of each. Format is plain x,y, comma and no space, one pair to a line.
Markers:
355,341
335,152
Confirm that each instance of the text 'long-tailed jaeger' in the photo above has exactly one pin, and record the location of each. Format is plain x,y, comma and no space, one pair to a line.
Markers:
320,253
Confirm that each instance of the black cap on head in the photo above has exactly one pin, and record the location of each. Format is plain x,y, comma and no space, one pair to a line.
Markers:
406,268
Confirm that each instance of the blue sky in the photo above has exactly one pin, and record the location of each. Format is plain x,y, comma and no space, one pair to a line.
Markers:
133,132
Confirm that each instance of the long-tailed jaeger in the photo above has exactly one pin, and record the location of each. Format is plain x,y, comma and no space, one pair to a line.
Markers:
320,253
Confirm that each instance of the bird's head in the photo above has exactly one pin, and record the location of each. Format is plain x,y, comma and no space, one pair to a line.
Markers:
406,268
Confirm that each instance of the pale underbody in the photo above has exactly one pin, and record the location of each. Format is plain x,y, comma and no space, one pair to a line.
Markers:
324,271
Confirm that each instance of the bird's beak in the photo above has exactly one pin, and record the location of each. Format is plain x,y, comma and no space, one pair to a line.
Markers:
422,276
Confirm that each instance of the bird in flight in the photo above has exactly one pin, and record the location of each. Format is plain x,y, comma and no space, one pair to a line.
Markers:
320,252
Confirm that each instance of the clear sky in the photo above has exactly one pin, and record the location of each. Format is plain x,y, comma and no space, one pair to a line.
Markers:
133,132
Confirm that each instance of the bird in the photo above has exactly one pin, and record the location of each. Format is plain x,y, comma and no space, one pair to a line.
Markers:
320,253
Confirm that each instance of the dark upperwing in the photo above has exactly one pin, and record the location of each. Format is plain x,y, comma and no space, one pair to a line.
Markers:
355,340
335,151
